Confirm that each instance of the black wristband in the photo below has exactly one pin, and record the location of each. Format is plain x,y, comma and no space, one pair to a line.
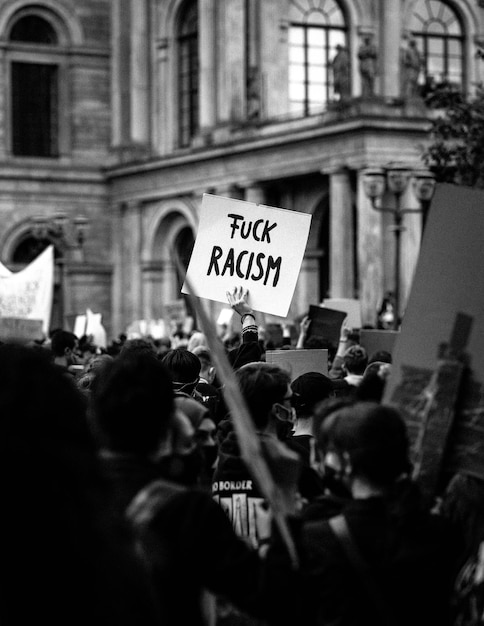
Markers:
242,318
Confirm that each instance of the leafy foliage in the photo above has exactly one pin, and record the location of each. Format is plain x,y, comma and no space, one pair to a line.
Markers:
456,151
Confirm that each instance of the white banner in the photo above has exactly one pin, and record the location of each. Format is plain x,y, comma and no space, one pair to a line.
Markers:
256,246
28,294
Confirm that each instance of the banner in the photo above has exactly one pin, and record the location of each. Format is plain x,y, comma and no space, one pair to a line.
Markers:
241,243
28,294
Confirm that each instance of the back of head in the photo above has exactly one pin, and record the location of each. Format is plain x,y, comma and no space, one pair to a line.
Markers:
132,403
375,438
135,346
262,385
309,389
355,360
380,355
184,367
62,339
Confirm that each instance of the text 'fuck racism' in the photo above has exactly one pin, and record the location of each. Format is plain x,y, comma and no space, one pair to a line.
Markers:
246,264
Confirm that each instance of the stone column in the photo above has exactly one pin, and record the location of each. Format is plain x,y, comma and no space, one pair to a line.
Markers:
254,193
207,47
139,62
152,272
390,49
341,266
120,86
131,279
231,52
370,256
118,306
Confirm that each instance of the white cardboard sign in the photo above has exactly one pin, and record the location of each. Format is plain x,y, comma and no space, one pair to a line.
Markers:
242,243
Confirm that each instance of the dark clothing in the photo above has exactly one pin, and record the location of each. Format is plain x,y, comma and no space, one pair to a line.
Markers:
310,484
234,488
411,562
191,546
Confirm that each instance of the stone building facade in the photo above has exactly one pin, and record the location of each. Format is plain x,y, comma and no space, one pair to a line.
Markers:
151,103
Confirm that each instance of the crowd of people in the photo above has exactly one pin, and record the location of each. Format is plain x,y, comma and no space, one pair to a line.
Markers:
129,499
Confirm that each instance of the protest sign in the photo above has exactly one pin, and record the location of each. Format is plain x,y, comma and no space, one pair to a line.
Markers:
28,294
378,340
241,243
176,310
325,325
438,360
298,362
350,306
20,330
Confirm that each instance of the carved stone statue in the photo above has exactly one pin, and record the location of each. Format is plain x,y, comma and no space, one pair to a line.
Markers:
367,55
411,65
340,66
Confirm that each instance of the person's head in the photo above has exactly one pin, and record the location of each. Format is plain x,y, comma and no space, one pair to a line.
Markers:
137,346
196,339
355,360
380,355
368,442
63,345
162,345
132,404
184,368
267,392
207,370
308,390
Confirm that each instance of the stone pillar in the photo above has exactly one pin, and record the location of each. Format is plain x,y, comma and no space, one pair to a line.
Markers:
131,280
169,291
390,49
139,75
410,240
254,193
307,286
120,89
231,52
370,256
118,318
341,265
152,272
207,47
165,129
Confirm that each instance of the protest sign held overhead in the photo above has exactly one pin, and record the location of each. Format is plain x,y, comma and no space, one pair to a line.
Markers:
258,247
28,294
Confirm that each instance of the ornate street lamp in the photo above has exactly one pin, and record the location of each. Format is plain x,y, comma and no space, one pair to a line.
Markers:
68,238
395,179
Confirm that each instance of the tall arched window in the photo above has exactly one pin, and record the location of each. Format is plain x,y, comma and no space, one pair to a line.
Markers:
440,39
316,27
188,107
34,87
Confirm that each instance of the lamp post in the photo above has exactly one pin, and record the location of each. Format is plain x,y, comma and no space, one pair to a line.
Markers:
395,179
68,238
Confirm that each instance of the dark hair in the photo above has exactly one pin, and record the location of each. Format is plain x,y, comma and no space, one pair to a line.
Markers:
137,346
183,365
132,403
380,355
355,359
309,389
62,339
375,438
262,385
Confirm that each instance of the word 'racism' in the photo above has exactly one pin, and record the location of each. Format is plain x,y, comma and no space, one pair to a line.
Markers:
242,263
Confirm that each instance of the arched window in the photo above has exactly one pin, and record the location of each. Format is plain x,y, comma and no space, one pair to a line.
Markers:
34,83
440,39
188,117
316,28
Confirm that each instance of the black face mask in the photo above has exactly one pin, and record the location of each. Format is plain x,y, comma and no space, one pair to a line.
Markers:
182,468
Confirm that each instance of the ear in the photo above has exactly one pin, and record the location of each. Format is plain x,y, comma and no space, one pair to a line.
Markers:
279,412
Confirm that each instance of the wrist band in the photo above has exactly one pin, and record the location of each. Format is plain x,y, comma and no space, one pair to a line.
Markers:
242,318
